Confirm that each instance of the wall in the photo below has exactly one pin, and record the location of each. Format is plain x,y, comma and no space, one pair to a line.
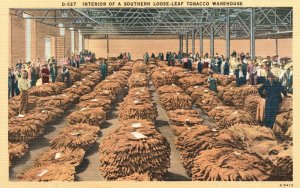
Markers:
137,47
17,39
39,32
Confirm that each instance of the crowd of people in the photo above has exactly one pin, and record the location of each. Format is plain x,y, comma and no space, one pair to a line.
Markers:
41,72
245,70
126,56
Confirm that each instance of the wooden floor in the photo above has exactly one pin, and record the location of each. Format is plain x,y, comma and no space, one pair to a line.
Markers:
89,169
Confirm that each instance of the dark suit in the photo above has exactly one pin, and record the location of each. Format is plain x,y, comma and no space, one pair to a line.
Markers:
272,93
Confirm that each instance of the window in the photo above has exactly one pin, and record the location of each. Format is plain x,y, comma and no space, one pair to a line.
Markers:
27,37
80,41
72,41
47,48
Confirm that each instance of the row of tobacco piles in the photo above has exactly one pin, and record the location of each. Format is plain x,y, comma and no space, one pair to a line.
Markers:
136,150
237,148
93,99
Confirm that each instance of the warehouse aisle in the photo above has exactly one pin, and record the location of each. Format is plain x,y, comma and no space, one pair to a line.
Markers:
89,169
39,145
176,170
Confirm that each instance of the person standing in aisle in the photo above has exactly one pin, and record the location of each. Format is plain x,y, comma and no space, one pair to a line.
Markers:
261,74
241,78
103,70
65,74
146,58
212,82
23,87
226,67
251,69
199,66
10,83
272,90
129,56
45,73
53,72
32,75
18,75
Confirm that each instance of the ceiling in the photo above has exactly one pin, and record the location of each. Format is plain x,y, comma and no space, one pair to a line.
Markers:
269,22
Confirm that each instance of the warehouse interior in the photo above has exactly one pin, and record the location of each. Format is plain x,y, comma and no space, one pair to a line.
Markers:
136,119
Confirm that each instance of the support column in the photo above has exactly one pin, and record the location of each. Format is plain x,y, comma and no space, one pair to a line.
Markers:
212,45
201,41
193,42
276,45
252,34
180,43
107,46
187,42
227,34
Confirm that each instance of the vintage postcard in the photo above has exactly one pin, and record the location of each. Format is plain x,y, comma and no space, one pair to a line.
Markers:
117,93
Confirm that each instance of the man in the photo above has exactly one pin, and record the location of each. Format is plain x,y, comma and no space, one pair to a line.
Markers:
286,78
18,75
19,64
65,74
241,78
32,75
129,56
212,82
53,72
226,67
251,69
45,73
199,67
146,57
10,82
261,74
103,70
272,90
23,87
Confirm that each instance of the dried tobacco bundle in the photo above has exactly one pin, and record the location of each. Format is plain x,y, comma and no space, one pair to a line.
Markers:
58,101
258,139
143,150
139,67
136,109
74,75
51,172
201,137
136,123
175,101
96,94
61,156
226,116
26,128
161,77
251,103
182,117
193,80
16,150
78,90
47,89
169,89
76,136
282,158
112,86
224,80
226,164
138,80
101,101
91,116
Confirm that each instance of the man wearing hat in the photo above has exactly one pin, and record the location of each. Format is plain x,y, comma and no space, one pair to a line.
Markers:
271,90
261,73
23,87
65,74
45,73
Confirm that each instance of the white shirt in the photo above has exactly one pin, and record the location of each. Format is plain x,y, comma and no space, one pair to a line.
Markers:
241,75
